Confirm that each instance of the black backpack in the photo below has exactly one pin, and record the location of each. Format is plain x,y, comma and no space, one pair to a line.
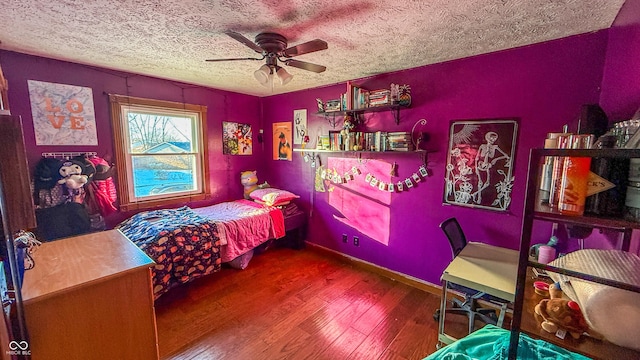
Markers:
45,176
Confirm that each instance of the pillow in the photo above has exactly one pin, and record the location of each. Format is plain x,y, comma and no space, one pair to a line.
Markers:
272,196
283,203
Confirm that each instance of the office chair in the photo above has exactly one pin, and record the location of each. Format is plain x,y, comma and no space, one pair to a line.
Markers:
469,306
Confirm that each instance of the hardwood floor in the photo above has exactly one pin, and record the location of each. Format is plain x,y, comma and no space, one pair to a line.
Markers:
296,304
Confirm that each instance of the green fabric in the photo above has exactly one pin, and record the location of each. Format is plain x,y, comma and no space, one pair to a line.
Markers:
492,343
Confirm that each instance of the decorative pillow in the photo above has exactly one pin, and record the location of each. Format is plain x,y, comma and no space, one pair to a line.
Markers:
272,196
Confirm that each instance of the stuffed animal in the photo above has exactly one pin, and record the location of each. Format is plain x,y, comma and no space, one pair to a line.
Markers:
72,177
559,313
249,180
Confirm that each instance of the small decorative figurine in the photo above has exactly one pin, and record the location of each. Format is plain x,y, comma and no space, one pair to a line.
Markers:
320,105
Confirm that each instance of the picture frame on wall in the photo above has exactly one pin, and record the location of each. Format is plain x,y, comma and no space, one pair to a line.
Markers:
299,126
237,139
480,163
282,138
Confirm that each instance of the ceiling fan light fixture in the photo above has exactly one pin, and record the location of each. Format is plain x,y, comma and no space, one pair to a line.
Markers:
263,74
273,48
283,75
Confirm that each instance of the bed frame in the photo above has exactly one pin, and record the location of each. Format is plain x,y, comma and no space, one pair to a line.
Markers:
296,229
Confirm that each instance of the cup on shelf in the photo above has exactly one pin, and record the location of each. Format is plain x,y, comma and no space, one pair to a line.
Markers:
546,254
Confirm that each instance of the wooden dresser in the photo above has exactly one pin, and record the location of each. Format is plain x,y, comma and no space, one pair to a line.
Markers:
90,297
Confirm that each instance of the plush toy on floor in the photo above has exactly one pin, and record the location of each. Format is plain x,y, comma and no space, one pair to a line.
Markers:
249,180
561,314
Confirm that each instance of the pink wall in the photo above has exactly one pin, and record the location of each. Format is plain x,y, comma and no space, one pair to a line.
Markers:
542,85
221,106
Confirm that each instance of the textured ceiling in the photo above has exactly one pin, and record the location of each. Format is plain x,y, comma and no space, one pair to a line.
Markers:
171,39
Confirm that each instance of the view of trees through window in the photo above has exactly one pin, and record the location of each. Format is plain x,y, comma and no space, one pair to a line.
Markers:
163,153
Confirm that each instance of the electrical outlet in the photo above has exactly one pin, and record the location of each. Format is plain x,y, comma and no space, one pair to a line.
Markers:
356,241
345,238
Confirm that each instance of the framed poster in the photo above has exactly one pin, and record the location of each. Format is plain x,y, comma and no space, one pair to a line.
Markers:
236,139
479,167
62,114
299,126
282,141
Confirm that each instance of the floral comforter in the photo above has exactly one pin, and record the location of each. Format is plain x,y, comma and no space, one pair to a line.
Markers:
184,245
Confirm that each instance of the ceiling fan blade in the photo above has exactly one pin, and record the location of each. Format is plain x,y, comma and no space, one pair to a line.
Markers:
305,48
232,59
239,37
305,65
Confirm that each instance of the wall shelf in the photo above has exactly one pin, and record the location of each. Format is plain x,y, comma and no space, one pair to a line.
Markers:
360,151
314,152
330,116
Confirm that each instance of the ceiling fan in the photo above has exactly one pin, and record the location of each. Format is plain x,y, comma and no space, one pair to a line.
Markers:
273,48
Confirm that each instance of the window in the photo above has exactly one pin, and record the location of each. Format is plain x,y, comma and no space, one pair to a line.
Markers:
160,153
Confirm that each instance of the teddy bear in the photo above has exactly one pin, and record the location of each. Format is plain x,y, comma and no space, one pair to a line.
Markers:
249,179
560,313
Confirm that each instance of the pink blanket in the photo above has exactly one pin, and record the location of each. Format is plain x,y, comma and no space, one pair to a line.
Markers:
243,225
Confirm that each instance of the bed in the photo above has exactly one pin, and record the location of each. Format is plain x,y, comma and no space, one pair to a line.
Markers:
492,343
187,243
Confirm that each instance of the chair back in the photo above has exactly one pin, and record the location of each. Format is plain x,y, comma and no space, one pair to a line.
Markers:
454,233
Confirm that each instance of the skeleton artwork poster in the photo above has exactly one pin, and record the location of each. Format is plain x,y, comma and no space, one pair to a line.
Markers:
480,160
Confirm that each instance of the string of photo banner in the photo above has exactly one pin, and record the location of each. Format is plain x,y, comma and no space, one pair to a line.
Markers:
404,185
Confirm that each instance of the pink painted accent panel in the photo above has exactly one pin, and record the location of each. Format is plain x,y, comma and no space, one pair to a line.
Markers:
363,207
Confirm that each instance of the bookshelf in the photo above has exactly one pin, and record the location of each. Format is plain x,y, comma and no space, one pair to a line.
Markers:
358,100
525,320
422,154
331,116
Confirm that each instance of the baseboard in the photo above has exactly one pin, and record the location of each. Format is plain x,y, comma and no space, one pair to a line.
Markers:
393,275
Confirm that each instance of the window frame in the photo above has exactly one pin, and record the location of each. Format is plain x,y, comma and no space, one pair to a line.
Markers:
123,158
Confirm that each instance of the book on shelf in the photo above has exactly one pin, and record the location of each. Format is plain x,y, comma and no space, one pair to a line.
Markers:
355,98
324,143
336,141
333,105
403,148
368,141
348,98
400,141
358,98
379,97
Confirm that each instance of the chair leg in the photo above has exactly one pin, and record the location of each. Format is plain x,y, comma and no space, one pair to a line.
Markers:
486,319
503,310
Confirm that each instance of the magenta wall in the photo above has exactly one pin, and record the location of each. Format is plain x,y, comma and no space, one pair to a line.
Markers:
542,85
221,106
621,79
620,96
